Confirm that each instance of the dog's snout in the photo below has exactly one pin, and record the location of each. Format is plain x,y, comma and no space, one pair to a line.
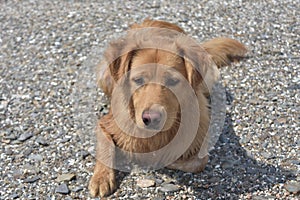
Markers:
152,118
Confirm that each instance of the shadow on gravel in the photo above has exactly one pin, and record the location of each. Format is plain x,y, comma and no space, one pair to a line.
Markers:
231,171
231,163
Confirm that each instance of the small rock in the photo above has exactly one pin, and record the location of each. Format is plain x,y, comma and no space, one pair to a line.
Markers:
253,101
295,162
249,154
258,120
267,155
36,157
17,174
62,189
25,136
227,164
29,169
292,186
65,177
169,188
144,183
77,189
84,154
42,141
213,179
158,198
6,141
91,150
11,136
27,151
14,196
31,180
66,139
158,181
281,120
9,152
244,140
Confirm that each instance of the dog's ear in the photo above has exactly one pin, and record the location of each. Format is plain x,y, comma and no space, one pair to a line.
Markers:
196,61
121,65
117,61
224,51
104,79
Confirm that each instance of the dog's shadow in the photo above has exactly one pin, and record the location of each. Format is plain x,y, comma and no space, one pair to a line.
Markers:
232,170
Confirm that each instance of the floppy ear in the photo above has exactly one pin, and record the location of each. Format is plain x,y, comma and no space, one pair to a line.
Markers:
117,61
224,51
197,61
121,65
104,79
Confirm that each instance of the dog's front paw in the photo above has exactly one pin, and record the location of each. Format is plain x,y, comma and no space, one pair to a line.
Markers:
102,182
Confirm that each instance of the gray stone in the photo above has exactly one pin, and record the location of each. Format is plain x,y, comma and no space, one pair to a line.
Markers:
25,136
31,179
42,141
36,157
168,187
292,186
62,189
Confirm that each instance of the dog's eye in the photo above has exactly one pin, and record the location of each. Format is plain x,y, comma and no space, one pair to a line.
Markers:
139,81
171,81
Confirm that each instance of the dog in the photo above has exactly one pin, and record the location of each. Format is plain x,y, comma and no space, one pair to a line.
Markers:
157,78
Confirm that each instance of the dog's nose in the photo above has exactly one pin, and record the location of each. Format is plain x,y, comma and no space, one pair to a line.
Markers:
151,118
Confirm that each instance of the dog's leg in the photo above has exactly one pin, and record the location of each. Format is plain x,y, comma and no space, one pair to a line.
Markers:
103,180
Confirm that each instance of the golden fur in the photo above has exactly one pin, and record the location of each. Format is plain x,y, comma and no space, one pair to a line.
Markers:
172,49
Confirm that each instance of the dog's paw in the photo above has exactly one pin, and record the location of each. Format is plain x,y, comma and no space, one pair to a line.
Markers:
102,183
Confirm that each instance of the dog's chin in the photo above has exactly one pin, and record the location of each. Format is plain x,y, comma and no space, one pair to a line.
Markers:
165,126
151,128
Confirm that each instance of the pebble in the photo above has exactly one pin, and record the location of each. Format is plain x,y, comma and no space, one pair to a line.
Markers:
14,196
30,169
77,188
84,154
62,189
292,186
25,136
32,179
244,140
168,187
145,183
159,181
9,152
42,141
27,151
227,164
65,177
267,155
36,157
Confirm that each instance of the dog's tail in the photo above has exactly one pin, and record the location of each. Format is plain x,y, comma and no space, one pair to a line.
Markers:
224,51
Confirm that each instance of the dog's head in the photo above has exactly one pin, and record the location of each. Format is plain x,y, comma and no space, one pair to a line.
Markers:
152,63
157,78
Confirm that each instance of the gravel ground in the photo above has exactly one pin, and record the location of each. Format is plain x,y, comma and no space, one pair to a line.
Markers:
49,101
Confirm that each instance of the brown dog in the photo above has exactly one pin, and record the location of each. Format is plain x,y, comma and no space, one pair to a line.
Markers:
158,80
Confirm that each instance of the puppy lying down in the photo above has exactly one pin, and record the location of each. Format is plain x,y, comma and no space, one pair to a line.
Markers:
158,80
